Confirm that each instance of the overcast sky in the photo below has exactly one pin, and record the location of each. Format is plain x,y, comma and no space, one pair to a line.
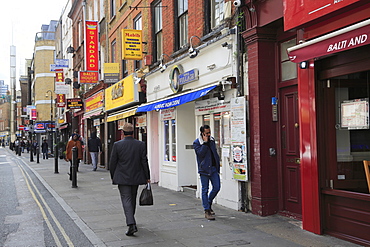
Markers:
19,22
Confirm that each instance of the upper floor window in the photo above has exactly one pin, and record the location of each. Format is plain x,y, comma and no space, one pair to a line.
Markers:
288,69
138,26
113,51
138,22
217,12
182,20
157,27
112,8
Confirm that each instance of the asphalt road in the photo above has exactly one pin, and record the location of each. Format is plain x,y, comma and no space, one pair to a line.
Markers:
29,214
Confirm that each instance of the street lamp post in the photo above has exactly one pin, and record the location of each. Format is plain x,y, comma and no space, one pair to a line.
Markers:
54,145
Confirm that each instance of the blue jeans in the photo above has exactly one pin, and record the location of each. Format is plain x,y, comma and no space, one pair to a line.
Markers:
207,199
94,159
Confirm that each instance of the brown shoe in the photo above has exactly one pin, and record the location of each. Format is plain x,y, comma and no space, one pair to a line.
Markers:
208,215
212,212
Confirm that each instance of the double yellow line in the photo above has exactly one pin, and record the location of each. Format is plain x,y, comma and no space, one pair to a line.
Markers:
33,189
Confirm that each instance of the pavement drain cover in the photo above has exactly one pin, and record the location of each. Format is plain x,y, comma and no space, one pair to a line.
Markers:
239,242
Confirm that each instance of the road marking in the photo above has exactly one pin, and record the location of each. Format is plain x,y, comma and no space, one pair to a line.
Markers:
61,229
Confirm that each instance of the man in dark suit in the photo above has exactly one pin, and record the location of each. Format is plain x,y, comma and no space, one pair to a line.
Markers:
129,168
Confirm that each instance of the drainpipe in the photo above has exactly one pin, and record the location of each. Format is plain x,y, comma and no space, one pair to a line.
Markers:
240,92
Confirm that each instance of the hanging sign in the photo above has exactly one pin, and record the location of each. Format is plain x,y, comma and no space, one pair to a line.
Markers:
132,47
88,77
91,46
61,100
111,72
60,85
75,103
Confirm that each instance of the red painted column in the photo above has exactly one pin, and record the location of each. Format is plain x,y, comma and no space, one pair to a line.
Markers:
308,148
262,86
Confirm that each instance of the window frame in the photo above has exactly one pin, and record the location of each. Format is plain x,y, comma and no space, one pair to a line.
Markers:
181,19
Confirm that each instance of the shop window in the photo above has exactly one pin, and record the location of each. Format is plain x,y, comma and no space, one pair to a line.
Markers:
170,140
166,140
217,132
173,125
351,130
288,69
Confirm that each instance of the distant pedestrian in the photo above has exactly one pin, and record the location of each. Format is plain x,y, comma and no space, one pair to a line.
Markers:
208,168
80,137
129,168
95,147
75,142
35,146
45,149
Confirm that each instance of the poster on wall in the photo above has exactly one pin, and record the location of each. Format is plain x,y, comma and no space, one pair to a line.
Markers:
239,162
355,114
238,120
239,139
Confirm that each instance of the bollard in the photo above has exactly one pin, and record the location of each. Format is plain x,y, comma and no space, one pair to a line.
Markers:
74,167
56,157
37,155
31,154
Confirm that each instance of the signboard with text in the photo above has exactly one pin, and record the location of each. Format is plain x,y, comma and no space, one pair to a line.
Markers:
91,46
88,77
123,93
111,72
75,103
132,47
94,102
297,13
61,100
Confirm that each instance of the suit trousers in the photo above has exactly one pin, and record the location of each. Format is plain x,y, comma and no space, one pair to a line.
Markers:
128,198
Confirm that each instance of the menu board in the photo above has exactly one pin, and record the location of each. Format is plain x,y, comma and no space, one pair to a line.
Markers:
355,114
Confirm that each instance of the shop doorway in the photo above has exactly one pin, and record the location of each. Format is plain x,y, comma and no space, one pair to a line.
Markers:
290,156
344,143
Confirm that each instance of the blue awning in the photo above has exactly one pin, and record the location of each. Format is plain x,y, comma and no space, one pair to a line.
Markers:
175,101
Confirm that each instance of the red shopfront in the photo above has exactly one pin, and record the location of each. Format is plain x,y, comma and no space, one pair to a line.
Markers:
333,94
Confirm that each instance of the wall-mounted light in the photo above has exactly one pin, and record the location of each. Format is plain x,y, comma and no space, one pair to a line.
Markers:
303,64
137,79
70,49
193,52
225,44
221,95
68,81
162,66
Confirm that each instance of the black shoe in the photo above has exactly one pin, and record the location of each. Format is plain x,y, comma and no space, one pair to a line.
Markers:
131,230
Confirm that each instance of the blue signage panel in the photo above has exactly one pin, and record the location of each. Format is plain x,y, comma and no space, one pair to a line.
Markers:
175,101
188,76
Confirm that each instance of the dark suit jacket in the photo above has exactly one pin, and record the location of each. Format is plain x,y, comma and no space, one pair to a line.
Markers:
129,163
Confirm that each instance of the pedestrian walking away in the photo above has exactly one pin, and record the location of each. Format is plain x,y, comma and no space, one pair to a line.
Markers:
208,168
128,169
44,149
95,147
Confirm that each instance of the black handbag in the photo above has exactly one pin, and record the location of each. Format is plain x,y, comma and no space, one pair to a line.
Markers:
146,196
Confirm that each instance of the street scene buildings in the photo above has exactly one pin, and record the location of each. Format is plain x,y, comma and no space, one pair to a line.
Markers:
283,84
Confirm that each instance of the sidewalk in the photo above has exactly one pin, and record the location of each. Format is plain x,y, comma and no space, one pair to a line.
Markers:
176,219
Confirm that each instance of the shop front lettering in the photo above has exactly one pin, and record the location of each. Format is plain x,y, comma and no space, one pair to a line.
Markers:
347,43
168,104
